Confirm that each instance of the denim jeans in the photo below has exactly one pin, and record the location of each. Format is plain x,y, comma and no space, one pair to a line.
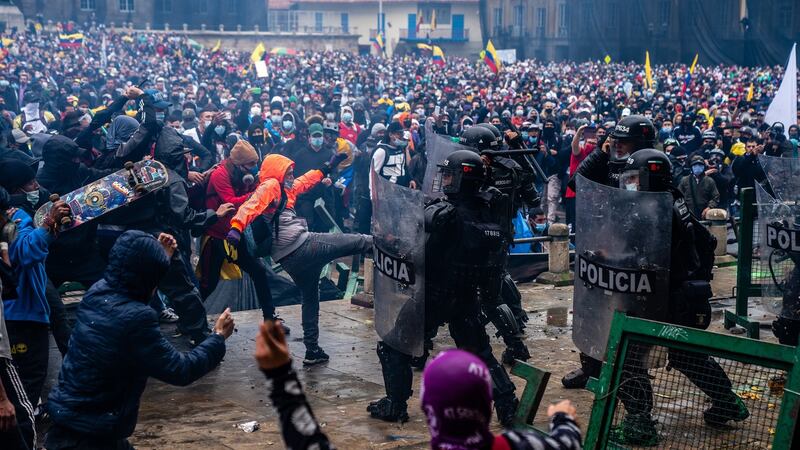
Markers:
305,264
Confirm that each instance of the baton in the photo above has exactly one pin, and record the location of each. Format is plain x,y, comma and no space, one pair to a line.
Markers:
534,165
526,153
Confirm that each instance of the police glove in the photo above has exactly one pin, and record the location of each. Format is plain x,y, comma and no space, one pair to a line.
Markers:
333,162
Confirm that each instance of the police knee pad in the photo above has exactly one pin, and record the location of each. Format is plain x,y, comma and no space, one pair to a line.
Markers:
786,330
505,322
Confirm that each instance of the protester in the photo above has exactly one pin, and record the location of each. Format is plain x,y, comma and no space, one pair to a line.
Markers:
699,190
117,345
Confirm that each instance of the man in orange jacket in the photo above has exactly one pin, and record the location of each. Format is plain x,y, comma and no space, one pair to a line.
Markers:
301,253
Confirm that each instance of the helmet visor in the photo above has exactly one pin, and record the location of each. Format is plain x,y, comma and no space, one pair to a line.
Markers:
447,181
630,180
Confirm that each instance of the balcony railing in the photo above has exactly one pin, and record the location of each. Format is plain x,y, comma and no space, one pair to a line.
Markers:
308,22
439,34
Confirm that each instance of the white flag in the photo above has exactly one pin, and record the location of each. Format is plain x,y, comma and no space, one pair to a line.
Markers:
784,106
261,69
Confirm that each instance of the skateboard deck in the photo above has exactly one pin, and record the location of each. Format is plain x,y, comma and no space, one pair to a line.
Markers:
109,193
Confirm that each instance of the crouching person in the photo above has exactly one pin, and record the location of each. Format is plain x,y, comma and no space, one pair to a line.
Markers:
117,344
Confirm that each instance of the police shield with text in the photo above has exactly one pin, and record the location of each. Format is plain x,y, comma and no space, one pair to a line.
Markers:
604,166
779,219
680,278
465,253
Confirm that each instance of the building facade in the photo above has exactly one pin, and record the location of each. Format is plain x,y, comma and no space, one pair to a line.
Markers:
154,13
720,31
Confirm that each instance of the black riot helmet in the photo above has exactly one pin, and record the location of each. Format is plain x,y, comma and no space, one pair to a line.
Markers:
462,173
479,138
635,128
498,136
647,170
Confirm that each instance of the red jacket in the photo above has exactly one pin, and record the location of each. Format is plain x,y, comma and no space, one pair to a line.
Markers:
220,190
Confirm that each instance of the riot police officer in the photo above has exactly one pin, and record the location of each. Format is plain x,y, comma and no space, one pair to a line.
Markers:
691,263
604,166
465,258
514,177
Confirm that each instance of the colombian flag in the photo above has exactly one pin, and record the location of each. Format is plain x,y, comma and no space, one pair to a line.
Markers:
689,75
73,40
438,56
490,57
379,44
424,47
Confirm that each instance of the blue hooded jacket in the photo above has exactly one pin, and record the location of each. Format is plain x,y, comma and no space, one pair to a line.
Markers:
28,253
117,344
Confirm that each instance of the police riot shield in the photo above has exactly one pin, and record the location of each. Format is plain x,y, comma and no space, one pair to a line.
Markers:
437,149
778,199
622,258
398,229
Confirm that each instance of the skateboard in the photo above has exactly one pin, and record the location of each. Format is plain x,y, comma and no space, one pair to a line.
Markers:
108,193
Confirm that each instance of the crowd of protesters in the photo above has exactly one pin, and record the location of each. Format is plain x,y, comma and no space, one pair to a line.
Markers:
249,153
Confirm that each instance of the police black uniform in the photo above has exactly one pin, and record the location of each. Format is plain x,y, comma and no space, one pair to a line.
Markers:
465,259
514,177
691,263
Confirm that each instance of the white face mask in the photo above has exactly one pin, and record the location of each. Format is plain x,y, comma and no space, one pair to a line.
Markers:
631,187
206,123
32,197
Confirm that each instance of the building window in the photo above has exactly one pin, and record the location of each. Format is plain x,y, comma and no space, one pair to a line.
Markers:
664,12
202,6
126,6
345,23
785,14
519,16
612,15
442,14
166,6
562,15
233,6
498,18
541,21
88,5
318,22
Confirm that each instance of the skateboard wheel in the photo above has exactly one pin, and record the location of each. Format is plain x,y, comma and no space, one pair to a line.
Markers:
54,197
139,189
128,165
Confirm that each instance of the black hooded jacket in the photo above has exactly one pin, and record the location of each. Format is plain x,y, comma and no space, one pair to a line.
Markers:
61,173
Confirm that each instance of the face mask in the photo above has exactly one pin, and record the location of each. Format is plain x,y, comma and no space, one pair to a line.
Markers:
276,119
534,139
219,129
248,179
206,123
666,129
524,134
539,227
520,112
160,116
631,187
420,112
288,125
697,169
347,117
32,197
399,143
330,116
316,142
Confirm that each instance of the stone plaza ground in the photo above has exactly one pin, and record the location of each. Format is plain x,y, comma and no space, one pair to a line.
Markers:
205,414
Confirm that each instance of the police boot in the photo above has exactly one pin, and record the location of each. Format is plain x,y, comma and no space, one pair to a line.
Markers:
397,379
786,330
516,350
418,362
635,430
721,411
578,378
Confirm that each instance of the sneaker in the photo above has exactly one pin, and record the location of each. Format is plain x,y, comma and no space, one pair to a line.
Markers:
282,323
315,356
636,429
721,412
388,410
168,316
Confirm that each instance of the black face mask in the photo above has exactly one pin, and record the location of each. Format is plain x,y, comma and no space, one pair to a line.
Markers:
548,133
